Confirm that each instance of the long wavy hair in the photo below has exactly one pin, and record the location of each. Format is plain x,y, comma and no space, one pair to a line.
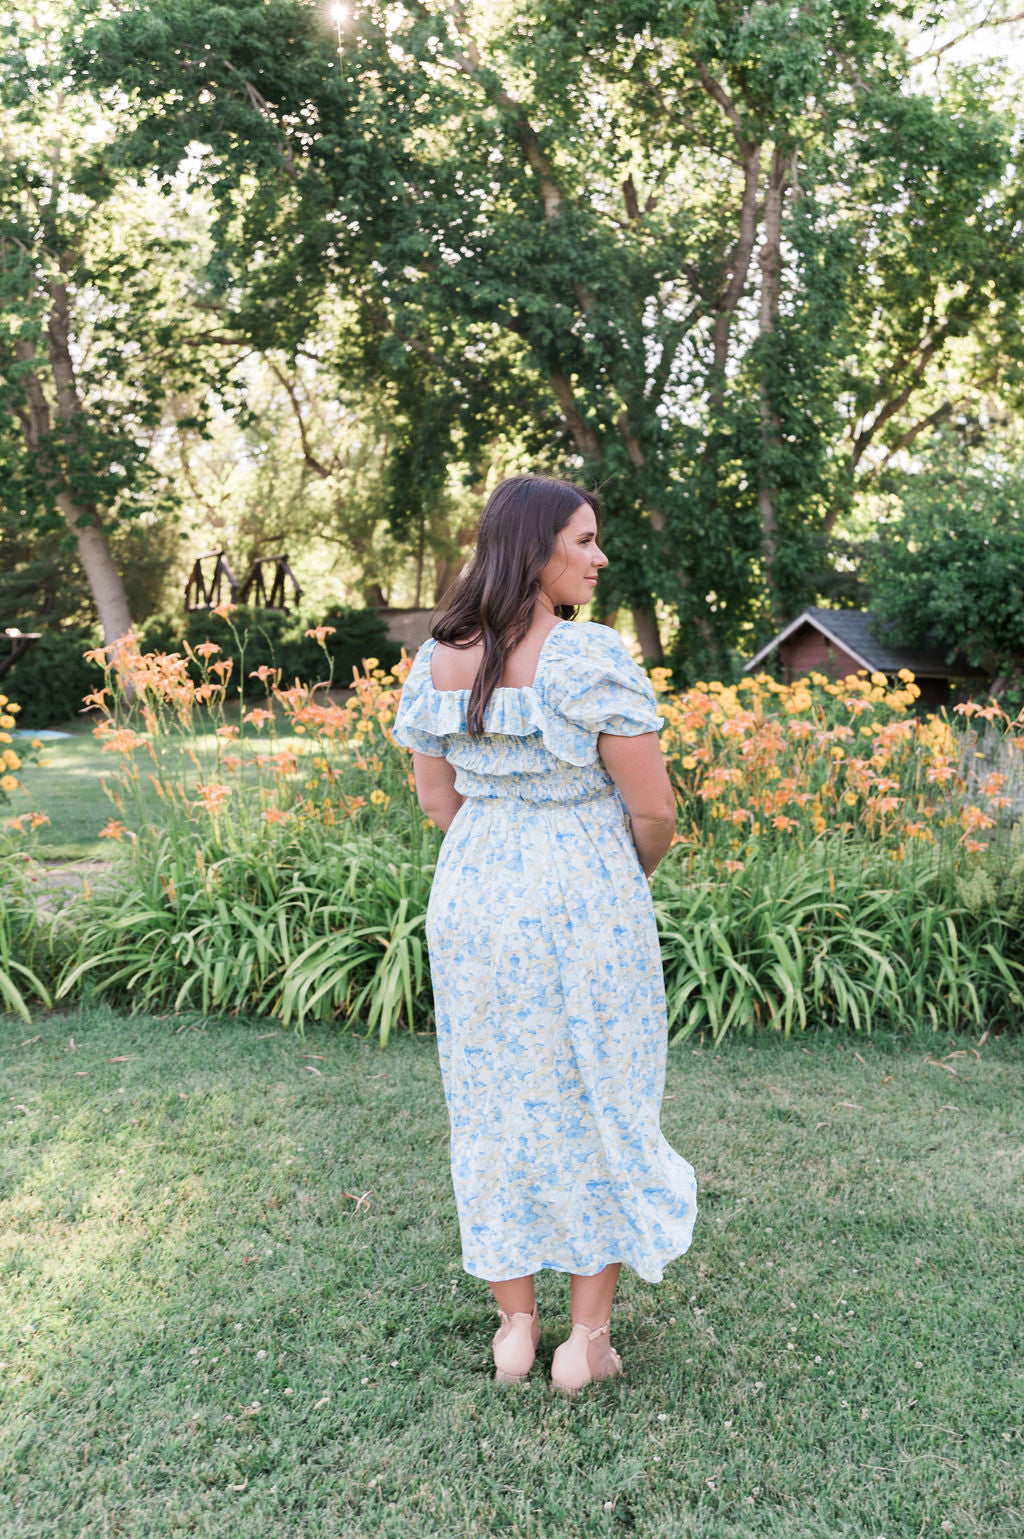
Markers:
493,599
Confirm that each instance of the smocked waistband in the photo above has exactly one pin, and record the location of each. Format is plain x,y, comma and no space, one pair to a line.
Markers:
586,798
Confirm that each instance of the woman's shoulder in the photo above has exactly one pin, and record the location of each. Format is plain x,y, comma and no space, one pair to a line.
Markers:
594,683
453,667
588,639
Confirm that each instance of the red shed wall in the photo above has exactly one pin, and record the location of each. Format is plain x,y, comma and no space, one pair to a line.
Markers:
808,649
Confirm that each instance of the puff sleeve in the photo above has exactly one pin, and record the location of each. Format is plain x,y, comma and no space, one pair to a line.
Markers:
597,687
419,723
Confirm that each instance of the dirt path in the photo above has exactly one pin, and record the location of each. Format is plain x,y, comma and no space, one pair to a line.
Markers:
60,883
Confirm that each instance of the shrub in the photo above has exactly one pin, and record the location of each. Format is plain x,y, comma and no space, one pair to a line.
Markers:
269,639
840,861
279,865
53,677
840,936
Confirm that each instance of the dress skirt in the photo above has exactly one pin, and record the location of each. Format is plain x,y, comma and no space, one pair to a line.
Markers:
550,1011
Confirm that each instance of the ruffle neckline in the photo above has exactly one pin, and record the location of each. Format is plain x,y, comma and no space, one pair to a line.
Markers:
514,710
576,692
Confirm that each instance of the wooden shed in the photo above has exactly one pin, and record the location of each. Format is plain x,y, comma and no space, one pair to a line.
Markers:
839,642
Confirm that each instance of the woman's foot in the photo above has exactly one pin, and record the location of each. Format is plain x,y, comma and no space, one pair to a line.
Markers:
515,1346
586,1356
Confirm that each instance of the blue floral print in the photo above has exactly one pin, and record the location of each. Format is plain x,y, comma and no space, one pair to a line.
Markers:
547,974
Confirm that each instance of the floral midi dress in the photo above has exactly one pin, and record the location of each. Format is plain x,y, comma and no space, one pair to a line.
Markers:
547,974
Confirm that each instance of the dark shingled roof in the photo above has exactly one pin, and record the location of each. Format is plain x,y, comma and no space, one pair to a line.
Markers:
852,630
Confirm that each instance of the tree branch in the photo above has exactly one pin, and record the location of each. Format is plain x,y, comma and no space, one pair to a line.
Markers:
896,403
307,452
262,106
472,65
737,263
954,42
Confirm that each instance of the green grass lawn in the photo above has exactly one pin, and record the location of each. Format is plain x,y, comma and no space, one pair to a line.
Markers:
67,785
233,1304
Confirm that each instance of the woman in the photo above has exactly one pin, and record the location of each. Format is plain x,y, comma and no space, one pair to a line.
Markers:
531,737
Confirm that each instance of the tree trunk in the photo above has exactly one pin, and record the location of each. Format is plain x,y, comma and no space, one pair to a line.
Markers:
93,547
445,573
770,262
104,579
645,622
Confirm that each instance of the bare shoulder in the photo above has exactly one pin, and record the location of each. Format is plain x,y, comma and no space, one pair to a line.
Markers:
455,667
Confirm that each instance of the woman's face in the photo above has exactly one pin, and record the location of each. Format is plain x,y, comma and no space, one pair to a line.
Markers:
570,575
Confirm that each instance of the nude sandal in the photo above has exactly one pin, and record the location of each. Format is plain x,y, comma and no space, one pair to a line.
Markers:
515,1346
572,1367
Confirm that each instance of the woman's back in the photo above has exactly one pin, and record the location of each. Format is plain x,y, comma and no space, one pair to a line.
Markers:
540,739
456,667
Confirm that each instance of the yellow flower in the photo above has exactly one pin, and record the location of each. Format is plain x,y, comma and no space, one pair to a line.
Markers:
6,721
820,824
906,676
379,798
879,680
10,759
689,762
8,783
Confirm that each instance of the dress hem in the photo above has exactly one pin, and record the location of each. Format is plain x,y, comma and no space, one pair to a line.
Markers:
576,1270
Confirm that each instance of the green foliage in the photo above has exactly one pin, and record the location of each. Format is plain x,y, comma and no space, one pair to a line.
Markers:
52,678
947,568
845,938
99,342
263,870
277,862
272,639
26,959
551,226
325,930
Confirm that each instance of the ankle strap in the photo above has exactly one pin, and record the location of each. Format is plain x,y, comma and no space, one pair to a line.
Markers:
602,1330
520,1314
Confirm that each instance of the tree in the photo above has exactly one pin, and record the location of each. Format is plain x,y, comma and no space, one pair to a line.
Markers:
288,463
946,566
94,293
711,254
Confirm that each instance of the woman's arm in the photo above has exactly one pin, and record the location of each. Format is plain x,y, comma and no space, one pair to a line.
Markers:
435,789
637,768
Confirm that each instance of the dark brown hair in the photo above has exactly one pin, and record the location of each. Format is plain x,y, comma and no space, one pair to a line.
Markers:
494,597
